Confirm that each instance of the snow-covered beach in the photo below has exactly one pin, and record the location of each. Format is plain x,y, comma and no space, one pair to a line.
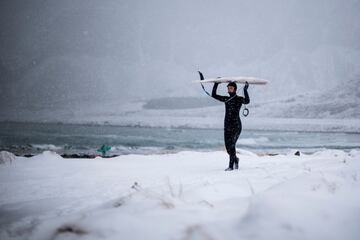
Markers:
185,195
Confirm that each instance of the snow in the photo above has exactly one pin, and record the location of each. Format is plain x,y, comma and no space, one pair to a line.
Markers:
185,195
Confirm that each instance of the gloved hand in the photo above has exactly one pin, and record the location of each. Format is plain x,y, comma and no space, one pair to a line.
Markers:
246,86
217,82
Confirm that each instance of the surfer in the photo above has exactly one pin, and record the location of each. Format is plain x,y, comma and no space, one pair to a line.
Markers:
232,122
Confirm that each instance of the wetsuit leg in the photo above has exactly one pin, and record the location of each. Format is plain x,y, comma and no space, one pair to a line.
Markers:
231,136
236,137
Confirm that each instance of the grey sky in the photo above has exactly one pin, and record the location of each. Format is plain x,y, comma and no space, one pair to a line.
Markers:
55,53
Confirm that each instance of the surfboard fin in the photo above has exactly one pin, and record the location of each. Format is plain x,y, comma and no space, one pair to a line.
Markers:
202,78
201,75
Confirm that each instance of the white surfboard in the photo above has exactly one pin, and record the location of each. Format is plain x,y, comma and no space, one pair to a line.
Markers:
250,80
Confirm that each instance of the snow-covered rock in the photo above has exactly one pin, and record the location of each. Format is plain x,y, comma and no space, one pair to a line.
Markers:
6,157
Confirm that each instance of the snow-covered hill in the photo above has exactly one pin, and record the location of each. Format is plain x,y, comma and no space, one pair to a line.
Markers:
334,110
338,102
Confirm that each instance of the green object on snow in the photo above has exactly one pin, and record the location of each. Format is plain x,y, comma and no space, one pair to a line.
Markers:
104,148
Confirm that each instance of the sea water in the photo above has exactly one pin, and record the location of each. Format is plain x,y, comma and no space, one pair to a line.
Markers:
34,138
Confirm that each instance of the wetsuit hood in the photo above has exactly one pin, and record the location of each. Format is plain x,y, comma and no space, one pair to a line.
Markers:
233,85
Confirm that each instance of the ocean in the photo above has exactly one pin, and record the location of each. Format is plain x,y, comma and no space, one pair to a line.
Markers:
34,138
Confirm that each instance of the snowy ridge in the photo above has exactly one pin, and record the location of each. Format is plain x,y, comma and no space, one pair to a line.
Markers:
286,196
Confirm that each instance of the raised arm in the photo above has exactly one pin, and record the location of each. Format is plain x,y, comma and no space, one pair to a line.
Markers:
214,95
246,94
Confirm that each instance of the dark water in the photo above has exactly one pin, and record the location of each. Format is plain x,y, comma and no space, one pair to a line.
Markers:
33,138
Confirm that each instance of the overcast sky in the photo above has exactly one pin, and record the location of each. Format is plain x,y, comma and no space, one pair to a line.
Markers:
66,52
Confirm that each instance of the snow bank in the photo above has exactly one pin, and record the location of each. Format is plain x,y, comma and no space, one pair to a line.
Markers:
186,195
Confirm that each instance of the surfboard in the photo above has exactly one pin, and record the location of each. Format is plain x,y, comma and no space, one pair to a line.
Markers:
250,80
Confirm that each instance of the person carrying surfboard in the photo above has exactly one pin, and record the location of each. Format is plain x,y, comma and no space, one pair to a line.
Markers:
233,103
232,122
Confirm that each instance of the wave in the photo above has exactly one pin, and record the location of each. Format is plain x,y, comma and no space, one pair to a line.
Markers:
253,141
46,147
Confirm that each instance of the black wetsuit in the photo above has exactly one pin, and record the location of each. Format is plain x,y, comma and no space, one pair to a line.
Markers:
232,122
